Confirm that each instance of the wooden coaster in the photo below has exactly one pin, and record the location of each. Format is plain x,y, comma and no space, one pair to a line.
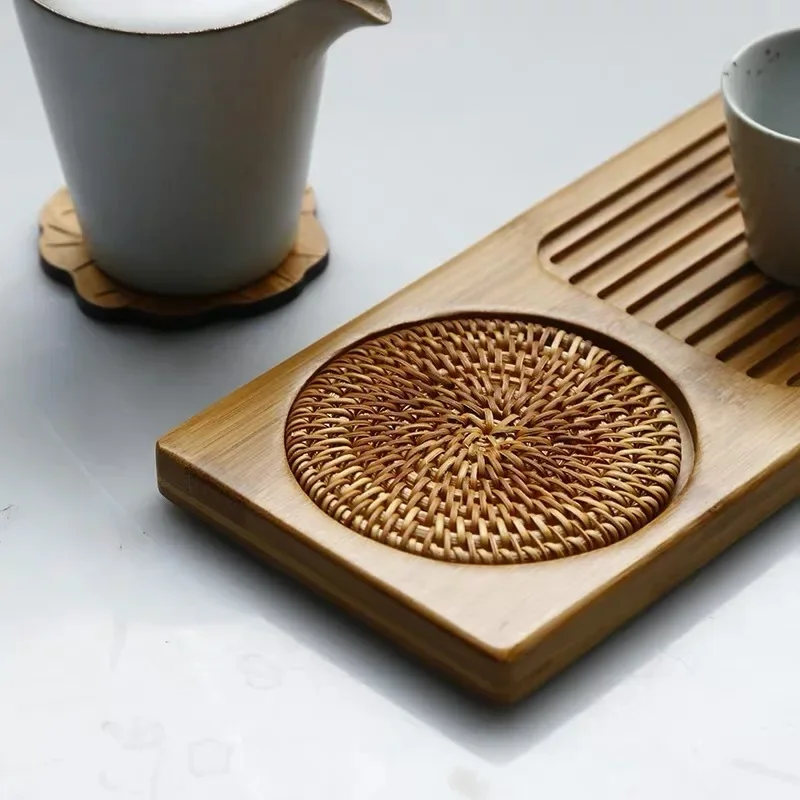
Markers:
65,258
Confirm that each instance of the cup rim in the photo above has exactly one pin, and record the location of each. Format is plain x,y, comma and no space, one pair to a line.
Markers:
104,27
759,41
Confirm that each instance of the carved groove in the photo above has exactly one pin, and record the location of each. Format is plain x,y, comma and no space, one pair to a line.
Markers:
624,211
667,173
668,247
662,254
686,269
776,319
658,217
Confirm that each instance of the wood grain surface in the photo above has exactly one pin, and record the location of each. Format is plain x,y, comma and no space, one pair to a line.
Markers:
642,257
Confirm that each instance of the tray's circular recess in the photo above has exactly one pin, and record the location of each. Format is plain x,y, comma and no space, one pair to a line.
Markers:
485,441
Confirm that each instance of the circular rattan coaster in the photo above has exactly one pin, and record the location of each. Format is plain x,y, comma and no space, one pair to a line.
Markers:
485,441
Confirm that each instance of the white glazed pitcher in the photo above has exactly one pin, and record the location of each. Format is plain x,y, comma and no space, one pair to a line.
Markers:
185,142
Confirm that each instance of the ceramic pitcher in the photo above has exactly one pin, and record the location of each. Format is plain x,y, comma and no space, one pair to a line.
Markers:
186,152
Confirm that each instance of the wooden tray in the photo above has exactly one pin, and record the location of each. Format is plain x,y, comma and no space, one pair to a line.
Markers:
656,444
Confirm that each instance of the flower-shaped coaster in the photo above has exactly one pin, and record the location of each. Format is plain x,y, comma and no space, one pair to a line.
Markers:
65,258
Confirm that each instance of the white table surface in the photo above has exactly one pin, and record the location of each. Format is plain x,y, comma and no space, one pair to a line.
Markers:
141,656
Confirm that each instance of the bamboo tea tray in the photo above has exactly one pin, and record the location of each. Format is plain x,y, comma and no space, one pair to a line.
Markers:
508,459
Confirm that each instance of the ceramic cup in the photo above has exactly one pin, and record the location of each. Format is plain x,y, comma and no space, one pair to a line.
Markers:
761,94
187,154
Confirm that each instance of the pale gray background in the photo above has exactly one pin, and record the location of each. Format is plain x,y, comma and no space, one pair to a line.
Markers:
140,656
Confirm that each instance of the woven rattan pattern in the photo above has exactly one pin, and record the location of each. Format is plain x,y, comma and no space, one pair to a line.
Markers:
484,441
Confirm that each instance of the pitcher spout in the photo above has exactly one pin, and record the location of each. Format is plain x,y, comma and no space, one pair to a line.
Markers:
374,12
322,22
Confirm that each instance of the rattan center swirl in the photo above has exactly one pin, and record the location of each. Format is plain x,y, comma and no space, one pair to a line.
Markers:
484,441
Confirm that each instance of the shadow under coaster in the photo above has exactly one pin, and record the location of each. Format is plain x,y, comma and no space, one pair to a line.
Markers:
514,455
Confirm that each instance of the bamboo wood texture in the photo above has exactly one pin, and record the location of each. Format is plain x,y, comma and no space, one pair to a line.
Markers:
65,258
639,267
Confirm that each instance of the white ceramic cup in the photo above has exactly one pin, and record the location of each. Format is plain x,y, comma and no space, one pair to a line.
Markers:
186,154
761,93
